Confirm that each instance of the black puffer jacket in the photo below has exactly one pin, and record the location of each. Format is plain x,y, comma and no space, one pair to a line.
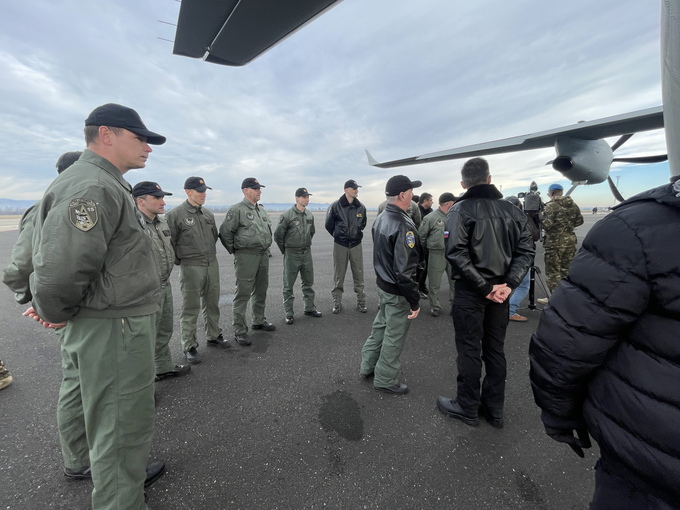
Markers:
396,248
346,222
607,349
489,240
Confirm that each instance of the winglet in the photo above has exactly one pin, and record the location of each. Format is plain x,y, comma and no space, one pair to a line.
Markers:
371,161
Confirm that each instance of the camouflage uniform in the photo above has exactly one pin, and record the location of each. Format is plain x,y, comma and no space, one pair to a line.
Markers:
5,377
562,215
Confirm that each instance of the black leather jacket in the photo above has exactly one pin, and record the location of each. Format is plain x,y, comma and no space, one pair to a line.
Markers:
396,247
346,222
489,241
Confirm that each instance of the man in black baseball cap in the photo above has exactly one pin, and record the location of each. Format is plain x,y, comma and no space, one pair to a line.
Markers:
396,249
149,197
194,235
117,116
100,234
346,221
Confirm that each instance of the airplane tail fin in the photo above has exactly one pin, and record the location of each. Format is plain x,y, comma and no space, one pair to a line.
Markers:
371,160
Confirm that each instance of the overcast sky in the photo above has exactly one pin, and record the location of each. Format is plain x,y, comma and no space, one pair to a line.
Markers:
400,78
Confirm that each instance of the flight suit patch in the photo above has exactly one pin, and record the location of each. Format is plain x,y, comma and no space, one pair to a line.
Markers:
189,221
359,215
82,212
410,239
250,215
309,222
166,233
296,222
440,222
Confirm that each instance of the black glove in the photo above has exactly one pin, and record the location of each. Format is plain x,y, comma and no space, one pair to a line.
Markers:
567,436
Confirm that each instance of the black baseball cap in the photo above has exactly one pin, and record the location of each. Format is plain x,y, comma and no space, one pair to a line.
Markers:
399,184
148,188
447,197
302,192
66,160
351,184
115,115
196,183
251,182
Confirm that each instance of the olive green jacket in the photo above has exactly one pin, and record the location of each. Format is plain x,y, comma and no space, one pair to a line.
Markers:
162,243
17,274
246,228
92,255
431,231
295,230
194,234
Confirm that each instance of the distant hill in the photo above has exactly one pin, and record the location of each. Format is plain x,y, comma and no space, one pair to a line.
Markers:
8,206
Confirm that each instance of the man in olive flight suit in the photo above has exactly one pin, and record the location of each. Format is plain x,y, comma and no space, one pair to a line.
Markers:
194,235
99,281
150,202
346,221
433,236
17,274
294,238
247,233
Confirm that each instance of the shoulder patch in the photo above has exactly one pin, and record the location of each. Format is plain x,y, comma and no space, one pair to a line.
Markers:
83,214
230,215
410,239
281,219
189,221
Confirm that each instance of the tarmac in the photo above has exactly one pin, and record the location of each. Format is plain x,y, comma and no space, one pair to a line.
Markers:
288,423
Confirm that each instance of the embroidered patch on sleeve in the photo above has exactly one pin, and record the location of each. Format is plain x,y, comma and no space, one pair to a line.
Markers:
82,212
410,239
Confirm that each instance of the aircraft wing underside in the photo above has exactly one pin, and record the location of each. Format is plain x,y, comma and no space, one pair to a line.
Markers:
643,120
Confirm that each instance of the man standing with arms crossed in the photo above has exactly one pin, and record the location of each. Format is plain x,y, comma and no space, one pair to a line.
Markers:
98,280
246,232
294,238
433,236
562,216
346,221
490,249
150,202
194,235
396,250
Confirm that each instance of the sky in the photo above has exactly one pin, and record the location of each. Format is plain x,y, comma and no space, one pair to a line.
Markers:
396,77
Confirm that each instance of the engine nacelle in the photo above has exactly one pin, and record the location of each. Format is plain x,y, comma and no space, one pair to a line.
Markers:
587,161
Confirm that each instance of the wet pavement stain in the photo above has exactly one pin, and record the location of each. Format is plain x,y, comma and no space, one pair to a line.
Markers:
528,489
340,413
260,343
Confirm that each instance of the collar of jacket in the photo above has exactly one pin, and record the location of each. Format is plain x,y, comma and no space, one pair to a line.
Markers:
106,165
147,219
298,210
196,209
482,191
668,194
345,203
249,203
395,208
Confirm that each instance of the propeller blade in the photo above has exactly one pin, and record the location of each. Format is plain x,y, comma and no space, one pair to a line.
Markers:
643,159
614,189
621,141
573,187
549,162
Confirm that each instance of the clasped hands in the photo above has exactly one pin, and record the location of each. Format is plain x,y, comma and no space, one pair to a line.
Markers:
499,293
48,325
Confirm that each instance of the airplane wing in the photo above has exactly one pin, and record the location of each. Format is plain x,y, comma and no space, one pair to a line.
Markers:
643,120
235,32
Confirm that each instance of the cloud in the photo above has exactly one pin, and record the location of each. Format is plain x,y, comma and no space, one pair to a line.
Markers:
398,78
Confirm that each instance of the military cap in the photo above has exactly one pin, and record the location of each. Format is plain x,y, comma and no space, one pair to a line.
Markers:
447,197
67,159
351,184
399,184
302,192
196,184
555,186
115,115
148,188
251,182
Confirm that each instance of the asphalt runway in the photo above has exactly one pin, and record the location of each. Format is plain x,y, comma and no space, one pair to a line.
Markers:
288,423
